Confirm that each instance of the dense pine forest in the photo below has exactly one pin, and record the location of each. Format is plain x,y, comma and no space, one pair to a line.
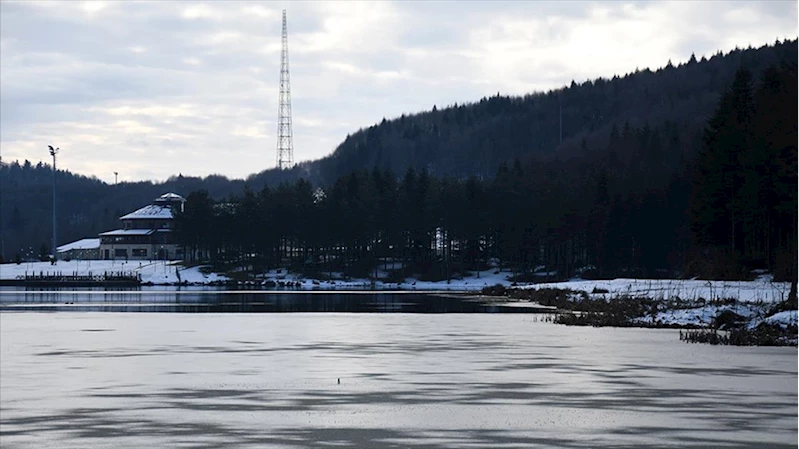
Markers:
641,206
475,138
686,171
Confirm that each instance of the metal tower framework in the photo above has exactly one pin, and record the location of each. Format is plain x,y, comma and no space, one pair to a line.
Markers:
285,146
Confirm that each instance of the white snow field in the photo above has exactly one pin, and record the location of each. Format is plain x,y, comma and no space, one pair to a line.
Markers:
753,299
157,272
744,291
165,273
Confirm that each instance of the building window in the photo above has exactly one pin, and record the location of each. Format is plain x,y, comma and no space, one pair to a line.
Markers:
120,252
139,252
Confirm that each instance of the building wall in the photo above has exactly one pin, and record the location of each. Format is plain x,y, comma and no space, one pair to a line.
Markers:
140,251
147,224
80,254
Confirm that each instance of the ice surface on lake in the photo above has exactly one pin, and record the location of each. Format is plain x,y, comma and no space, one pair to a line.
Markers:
78,380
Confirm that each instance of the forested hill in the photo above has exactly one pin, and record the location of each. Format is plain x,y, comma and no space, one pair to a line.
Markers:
462,140
649,203
641,129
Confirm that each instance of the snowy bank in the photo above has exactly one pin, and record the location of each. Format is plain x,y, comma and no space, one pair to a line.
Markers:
156,272
173,272
753,312
743,291
475,282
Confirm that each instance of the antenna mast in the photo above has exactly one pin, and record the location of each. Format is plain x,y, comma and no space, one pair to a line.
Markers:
285,147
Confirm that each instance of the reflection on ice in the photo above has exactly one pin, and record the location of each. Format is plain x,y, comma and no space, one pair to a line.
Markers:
205,300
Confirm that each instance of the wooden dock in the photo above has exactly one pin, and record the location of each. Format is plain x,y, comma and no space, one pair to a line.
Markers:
104,279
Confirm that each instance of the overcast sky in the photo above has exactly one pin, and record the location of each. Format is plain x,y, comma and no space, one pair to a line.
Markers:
156,89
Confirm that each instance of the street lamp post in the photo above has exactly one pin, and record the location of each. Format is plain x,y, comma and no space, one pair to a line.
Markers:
53,152
792,295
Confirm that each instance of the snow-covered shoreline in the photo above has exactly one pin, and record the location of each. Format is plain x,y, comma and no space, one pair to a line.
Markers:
700,301
151,272
173,273
761,290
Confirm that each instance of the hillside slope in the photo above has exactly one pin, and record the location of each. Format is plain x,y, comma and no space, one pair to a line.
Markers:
473,139
605,125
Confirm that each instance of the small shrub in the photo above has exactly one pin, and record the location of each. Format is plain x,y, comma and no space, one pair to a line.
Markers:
762,335
727,319
494,290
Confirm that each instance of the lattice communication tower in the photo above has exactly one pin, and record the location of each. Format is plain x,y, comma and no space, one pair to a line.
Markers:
285,146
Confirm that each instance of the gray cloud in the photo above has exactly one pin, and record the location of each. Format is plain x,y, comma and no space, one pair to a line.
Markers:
159,88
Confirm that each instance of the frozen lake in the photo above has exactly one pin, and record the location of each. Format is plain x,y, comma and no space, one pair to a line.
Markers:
207,300
131,380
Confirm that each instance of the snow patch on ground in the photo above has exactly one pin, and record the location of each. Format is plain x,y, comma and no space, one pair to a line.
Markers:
474,282
744,291
702,316
155,272
703,300
166,273
172,272
789,317
782,319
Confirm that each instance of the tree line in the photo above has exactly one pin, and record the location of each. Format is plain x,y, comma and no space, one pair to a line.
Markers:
641,207
641,129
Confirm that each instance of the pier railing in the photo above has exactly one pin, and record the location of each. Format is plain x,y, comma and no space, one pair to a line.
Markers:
75,277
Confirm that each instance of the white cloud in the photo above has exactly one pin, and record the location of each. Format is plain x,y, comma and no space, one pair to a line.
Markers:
200,11
259,11
93,7
356,28
225,37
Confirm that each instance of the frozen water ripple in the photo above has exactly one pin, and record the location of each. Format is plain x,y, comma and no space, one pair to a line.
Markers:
420,381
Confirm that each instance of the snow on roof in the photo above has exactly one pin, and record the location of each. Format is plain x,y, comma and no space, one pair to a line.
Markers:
120,232
149,212
80,244
171,196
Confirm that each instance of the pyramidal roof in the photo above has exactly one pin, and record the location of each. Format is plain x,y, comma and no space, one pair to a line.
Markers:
171,196
152,211
161,208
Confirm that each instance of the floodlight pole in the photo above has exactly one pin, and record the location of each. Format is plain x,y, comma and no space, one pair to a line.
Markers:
792,294
53,152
